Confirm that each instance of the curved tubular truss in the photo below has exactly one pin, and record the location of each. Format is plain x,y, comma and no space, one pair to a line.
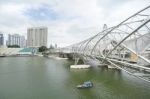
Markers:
125,46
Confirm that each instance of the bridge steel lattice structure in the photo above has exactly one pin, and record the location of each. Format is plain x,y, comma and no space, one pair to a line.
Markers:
125,46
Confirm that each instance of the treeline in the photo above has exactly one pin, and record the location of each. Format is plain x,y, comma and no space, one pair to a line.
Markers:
13,46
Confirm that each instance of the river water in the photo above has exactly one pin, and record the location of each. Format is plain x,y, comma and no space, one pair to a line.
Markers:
43,78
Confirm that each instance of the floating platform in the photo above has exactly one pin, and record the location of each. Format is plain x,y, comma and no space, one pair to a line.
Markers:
80,66
59,58
112,67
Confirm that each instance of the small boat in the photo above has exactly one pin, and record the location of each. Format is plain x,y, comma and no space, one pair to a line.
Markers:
87,84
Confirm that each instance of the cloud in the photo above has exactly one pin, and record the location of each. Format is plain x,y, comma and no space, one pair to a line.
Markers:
68,21
42,13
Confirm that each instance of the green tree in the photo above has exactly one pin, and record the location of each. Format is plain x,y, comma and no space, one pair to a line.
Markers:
42,48
13,46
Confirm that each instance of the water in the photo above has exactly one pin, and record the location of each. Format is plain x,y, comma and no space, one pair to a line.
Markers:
42,78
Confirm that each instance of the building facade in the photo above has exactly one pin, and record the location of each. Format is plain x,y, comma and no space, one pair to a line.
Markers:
1,40
37,36
16,39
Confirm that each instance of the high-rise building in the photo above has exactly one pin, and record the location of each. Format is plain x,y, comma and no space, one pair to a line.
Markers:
16,39
37,36
1,39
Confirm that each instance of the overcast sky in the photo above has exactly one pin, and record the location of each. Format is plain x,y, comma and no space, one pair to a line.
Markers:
68,21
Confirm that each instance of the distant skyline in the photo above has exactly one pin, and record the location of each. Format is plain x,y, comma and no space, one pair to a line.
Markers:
68,21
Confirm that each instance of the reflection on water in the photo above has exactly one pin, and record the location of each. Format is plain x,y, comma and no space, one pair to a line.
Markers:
42,78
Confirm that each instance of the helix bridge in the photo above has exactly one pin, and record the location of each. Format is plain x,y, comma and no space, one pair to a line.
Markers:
125,46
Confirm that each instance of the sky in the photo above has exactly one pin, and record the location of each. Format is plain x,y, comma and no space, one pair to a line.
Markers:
68,21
